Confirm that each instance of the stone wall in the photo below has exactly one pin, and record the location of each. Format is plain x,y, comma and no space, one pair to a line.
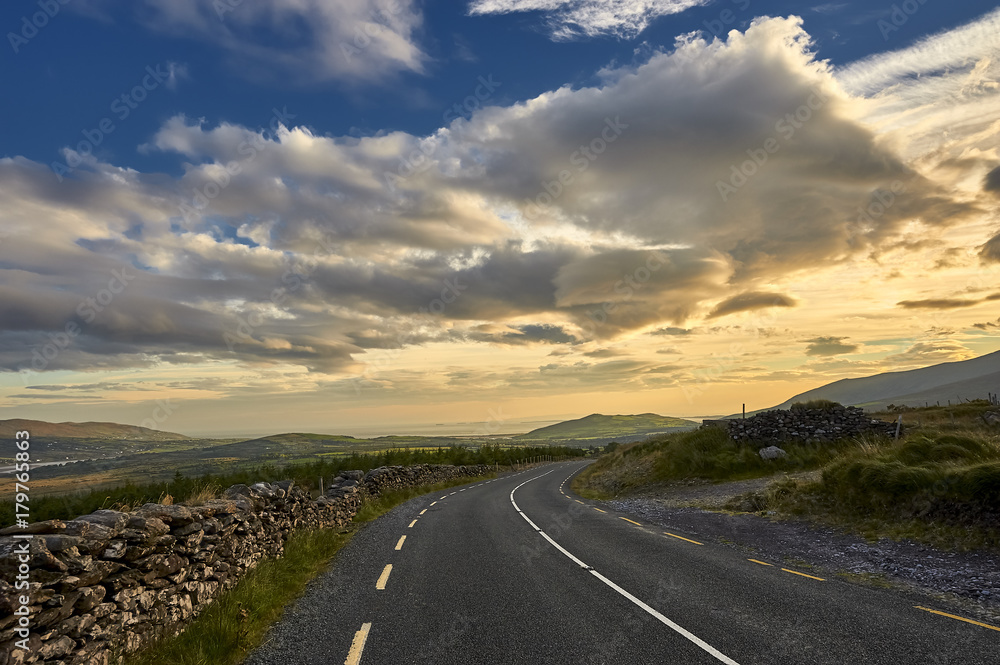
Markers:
117,580
813,425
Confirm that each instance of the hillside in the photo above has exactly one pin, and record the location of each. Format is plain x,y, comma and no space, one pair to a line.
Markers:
599,426
965,379
40,429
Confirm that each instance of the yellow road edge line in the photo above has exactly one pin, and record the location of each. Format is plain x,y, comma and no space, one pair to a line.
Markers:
952,616
384,577
358,645
672,535
763,563
628,520
411,524
423,511
399,545
599,510
795,572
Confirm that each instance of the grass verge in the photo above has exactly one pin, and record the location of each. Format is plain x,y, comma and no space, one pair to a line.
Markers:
376,507
236,623
938,484
704,453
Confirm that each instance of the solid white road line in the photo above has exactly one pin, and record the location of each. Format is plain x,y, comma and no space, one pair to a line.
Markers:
384,577
358,645
705,646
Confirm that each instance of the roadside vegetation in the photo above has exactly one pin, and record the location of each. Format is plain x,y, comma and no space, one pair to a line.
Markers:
939,483
307,474
237,621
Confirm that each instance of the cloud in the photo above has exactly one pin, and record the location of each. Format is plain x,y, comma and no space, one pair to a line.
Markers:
604,353
951,49
572,19
300,41
930,353
991,183
527,334
936,303
750,301
671,330
829,346
991,250
580,214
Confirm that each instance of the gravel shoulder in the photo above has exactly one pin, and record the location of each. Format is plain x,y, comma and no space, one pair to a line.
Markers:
967,581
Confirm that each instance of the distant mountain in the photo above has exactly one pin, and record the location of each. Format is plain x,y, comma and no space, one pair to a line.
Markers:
90,430
965,379
598,426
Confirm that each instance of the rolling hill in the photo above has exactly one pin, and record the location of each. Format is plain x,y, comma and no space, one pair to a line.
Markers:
89,430
955,381
599,426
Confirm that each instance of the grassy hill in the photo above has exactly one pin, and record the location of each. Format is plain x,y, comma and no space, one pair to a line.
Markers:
599,426
966,379
89,430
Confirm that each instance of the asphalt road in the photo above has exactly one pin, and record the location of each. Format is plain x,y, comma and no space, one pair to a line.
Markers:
519,570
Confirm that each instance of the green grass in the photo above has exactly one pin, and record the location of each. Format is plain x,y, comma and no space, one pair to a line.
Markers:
598,426
237,621
376,507
939,484
706,453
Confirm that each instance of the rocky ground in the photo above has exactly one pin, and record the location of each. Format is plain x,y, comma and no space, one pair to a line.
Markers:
968,581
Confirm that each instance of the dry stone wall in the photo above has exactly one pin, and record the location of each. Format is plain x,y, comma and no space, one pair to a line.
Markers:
114,581
814,425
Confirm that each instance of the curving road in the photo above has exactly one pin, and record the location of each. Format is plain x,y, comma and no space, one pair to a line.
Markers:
519,570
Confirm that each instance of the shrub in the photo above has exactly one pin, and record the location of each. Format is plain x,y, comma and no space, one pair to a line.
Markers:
821,404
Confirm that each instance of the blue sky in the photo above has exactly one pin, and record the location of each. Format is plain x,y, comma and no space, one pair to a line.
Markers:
91,53
320,214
